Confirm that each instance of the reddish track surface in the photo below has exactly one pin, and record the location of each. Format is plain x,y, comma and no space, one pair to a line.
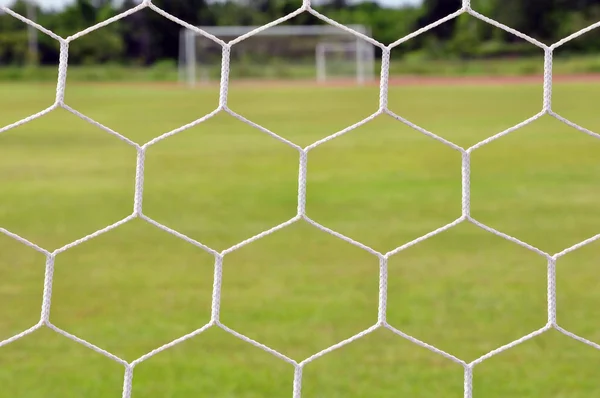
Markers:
493,79
395,81
436,80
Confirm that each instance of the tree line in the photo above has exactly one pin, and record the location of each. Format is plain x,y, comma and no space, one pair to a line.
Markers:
146,37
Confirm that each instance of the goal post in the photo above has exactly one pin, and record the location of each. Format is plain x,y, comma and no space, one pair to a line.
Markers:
342,59
283,52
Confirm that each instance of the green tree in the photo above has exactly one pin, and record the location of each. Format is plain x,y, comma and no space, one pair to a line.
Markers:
164,35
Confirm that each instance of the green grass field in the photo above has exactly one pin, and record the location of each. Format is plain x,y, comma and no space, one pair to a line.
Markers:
299,290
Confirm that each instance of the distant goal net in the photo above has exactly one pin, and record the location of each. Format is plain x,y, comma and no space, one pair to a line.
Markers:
322,53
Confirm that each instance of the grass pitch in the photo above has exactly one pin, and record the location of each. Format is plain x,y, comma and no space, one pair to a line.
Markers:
299,290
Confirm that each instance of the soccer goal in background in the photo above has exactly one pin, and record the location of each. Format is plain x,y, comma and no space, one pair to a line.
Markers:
322,53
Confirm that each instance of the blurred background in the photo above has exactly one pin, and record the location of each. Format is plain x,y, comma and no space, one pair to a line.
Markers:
146,46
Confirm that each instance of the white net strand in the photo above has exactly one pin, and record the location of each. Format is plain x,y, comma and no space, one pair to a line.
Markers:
47,294
547,80
383,284
466,184
381,321
95,123
180,129
63,64
552,292
384,79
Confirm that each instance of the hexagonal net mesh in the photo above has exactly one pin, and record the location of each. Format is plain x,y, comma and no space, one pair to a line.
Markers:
219,257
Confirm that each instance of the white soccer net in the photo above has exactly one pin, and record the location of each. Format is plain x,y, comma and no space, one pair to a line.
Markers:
220,257
283,52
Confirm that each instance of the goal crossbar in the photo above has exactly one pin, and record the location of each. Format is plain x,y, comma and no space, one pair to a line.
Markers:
282,30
